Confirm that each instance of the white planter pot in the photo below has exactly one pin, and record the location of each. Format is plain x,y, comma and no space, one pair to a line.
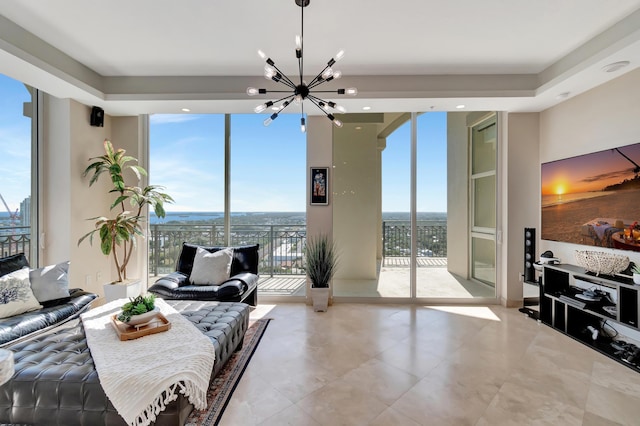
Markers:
143,318
320,297
123,290
636,279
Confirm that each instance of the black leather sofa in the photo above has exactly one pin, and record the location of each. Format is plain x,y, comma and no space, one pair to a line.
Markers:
56,383
242,286
52,314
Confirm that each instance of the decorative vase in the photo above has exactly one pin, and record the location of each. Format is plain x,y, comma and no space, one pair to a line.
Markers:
636,278
320,297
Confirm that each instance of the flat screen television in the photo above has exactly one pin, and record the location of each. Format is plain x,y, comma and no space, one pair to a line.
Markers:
593,199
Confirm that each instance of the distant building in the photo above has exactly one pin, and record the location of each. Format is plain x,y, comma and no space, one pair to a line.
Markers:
25,212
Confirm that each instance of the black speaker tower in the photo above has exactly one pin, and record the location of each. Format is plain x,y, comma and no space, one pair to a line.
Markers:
529,254
97,117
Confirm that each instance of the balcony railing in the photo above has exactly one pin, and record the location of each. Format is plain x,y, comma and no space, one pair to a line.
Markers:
281,246
431,238
15,239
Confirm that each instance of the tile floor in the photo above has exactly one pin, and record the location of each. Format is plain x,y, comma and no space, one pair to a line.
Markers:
361,364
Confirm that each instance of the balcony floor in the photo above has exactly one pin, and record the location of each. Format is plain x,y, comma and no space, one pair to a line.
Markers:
434,281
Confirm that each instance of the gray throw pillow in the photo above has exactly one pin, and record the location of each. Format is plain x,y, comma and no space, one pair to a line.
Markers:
211,268
50,282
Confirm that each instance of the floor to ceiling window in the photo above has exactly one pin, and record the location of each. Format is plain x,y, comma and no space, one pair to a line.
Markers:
394,278
235,182
267,197
18,162
186,156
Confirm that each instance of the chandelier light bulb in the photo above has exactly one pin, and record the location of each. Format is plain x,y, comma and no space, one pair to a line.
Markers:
351,91
298,42
339,55
341,108
337,123
337,74
262,55
297,99
262,107
270,119
252,91
327,73
303,125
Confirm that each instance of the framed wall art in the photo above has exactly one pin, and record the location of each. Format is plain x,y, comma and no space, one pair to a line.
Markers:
319,186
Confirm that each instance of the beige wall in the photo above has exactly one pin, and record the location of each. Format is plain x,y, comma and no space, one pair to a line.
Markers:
602,118
319,154
67,200
356,200
457,194
521,208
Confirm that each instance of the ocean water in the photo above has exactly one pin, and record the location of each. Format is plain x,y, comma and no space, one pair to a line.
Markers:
554,200
277,217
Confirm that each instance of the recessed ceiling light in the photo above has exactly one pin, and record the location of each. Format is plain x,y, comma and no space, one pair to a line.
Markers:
358,127
459,106
615,66
366,108
186,110
563,95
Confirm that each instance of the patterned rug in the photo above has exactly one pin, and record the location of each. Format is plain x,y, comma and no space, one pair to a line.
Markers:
225,383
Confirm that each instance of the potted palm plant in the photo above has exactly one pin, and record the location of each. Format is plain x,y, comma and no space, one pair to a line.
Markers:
321,261
118,233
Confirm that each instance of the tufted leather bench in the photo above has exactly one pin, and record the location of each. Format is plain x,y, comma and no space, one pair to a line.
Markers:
56,382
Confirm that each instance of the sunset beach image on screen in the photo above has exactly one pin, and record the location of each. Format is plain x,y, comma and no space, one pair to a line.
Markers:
593,199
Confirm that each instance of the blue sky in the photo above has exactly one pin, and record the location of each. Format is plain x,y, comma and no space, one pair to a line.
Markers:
268,164
15,143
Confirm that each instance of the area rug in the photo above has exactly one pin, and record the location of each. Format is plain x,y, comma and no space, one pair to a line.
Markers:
225,383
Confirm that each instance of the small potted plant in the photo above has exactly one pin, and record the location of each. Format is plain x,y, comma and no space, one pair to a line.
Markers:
118,233
321,262
138,310
636,273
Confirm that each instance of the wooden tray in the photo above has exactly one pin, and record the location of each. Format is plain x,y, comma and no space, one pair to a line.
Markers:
128,332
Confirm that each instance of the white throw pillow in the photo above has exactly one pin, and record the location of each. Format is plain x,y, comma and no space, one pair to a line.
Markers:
16,296
50,282
211,268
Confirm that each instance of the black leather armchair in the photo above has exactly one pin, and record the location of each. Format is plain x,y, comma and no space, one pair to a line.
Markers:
242,286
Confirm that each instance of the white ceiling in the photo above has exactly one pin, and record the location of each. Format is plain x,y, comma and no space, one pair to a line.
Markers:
148,56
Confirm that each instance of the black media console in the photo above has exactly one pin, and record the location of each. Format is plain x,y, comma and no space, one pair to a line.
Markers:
583,306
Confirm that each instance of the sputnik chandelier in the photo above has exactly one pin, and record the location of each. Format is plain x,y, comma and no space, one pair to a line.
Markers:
300,90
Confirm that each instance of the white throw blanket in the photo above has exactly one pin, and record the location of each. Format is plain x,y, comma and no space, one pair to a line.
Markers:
142,376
